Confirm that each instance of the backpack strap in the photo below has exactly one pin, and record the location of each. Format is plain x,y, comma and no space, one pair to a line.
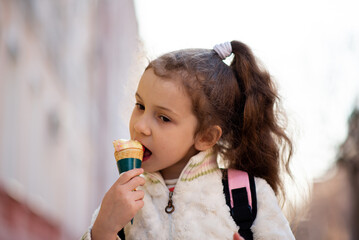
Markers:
240,192
238,179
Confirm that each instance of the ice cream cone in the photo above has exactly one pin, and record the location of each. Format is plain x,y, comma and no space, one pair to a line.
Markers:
128,154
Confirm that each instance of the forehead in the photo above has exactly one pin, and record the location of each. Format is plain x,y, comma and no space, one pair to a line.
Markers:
171,81
163,90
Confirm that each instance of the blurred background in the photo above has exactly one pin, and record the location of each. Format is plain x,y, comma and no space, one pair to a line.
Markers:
69,69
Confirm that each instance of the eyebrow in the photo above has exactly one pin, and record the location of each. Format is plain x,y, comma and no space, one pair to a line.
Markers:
160,107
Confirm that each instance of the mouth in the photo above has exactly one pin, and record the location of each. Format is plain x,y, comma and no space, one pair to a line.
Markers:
146,154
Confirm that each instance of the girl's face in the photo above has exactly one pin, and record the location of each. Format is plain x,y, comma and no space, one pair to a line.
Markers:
164,123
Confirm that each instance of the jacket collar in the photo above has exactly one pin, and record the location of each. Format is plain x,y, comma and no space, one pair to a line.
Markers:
199,165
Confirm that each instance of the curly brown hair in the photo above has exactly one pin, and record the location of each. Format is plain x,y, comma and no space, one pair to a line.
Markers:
242,99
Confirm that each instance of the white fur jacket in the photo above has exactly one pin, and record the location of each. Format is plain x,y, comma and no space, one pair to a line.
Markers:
201,211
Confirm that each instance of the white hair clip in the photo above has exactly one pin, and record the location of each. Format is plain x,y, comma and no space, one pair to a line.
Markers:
223,49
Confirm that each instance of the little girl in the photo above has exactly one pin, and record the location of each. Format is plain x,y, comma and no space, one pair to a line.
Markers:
191,108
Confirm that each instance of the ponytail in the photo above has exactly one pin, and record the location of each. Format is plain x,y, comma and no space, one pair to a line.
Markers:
260,149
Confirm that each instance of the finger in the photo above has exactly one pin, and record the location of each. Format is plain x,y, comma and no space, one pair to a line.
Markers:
127,176
236,236
139,204
135,182
138,195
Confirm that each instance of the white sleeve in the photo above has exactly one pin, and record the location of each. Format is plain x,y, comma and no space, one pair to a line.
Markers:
270,223
94,216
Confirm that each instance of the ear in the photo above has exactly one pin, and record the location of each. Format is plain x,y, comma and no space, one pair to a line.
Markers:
208,139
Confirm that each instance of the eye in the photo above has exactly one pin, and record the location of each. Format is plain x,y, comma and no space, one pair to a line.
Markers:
165,119
139,106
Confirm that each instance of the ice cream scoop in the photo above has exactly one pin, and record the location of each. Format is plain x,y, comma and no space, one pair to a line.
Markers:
128,154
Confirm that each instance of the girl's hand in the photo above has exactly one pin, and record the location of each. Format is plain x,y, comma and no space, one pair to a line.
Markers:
236,236
119,205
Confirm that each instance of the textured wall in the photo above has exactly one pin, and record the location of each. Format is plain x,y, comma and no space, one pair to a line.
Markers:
65,73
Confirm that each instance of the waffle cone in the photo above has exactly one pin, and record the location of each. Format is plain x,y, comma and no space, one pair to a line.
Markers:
129,153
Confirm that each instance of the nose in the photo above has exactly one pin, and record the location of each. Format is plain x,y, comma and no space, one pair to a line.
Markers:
142,126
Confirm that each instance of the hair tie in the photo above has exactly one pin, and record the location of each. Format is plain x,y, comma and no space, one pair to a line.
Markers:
223,49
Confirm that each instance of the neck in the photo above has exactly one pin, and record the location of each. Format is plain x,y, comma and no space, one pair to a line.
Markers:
175,170
173,173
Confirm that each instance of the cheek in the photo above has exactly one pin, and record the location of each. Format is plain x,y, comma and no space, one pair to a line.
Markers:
183,139
131,123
